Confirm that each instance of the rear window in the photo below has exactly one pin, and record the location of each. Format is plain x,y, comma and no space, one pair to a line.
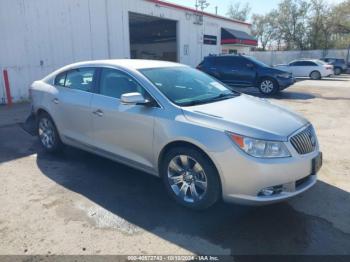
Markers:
79,79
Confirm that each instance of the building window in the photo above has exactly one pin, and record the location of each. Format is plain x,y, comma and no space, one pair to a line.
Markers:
210,40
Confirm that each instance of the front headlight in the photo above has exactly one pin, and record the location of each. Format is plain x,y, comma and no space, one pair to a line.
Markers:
260,148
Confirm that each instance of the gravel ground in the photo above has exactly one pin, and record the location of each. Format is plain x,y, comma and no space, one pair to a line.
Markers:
78,203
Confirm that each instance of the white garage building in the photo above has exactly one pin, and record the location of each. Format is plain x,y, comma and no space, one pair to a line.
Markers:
39,36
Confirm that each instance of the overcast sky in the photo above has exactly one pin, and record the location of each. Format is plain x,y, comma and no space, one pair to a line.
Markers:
258,6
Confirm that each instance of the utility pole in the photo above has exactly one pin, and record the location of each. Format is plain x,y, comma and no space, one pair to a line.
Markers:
216,10
202,5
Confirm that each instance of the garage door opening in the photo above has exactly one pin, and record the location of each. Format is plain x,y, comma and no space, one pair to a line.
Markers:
152,38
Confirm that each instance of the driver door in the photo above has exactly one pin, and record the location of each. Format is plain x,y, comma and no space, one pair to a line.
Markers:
123,132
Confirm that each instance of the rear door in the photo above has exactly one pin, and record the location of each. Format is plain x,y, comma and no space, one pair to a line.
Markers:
236,70
299,68
71,104
124,132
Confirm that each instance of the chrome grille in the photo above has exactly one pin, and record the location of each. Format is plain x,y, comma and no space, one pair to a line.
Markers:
305,141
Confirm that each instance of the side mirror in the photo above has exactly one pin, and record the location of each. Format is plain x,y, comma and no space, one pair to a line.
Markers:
250,65
133,99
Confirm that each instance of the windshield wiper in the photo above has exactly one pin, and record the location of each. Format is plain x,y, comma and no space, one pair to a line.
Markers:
220,97
224,96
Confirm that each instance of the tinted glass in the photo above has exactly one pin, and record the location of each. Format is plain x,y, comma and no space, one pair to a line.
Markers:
303,63
80,79
230,61
186,86
115,83
60,79
310,63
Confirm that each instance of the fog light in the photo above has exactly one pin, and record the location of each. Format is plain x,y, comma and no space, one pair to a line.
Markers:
270,191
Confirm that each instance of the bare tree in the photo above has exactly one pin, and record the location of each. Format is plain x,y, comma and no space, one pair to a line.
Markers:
238,11
265,28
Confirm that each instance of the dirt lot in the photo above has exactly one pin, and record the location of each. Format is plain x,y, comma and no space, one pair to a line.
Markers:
78,203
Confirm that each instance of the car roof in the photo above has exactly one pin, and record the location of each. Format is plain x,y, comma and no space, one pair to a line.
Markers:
305,59
127,63
222,55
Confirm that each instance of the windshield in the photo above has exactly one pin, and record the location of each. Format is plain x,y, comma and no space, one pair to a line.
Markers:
256,61
186,86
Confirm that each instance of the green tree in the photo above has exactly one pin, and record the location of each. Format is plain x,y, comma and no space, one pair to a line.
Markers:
320,25
292,20
341,14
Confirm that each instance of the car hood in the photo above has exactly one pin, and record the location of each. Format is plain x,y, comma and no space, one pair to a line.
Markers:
249,116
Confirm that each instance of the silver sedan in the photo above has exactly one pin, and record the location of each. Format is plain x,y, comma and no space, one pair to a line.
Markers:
204,140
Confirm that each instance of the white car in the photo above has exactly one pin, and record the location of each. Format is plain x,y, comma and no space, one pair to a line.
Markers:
313,68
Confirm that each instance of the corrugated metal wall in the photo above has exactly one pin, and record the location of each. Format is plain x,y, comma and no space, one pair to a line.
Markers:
284,57
39,36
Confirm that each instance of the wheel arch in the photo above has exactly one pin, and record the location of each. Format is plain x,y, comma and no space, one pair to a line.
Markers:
317,71
41,110
183,143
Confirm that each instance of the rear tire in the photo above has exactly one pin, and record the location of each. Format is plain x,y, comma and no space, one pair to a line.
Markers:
337,71
268,86
315,75
48,135
190,178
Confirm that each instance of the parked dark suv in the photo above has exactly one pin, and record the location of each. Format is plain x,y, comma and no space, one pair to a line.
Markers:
338,64
246,71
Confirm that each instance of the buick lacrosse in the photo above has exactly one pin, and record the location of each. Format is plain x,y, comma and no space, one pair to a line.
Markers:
205,141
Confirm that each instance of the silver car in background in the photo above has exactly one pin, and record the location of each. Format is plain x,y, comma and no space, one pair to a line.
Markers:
204,140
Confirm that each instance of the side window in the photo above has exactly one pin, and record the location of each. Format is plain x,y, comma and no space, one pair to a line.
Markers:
298,63
226,61
309,63
60,79
80,79
115,83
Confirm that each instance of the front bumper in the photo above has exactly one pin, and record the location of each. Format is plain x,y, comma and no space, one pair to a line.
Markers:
285,82
243,177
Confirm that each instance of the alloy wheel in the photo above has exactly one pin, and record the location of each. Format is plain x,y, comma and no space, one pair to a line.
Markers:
187,178
46,133
266,86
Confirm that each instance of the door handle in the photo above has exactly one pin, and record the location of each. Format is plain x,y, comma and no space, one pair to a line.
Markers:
213,68
98,112
55,100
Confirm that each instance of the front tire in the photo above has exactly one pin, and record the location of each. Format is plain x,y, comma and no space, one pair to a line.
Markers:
190,178
268,86
48,135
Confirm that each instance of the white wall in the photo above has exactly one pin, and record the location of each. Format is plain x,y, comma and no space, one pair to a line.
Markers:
39,36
